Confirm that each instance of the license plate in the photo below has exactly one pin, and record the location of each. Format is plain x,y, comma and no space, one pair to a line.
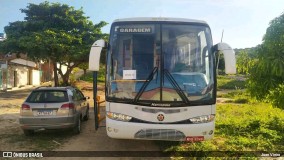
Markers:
45,113
194,138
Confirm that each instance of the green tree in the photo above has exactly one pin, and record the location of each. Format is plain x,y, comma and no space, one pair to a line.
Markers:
55,32
245,60
84,66
267,73
242,62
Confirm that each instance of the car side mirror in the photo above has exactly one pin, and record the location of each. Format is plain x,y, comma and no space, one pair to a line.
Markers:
86,98
229,57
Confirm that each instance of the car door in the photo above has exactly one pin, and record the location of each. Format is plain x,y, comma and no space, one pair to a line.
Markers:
76,101
83,102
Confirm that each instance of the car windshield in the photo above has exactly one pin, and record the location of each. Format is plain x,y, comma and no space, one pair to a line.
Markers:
47,96
156,62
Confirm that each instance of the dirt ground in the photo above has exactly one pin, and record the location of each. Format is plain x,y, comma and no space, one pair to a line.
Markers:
10,103
87,140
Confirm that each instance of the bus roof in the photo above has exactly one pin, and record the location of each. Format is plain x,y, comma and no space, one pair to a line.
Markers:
159,19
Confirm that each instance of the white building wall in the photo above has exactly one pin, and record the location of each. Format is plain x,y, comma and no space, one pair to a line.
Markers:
22,76
36,77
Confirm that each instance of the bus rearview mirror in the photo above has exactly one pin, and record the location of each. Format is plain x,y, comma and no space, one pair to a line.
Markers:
229,57
95,54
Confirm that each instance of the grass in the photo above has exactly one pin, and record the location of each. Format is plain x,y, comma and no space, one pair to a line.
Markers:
236,96
230,82
256,127
242,124
245,127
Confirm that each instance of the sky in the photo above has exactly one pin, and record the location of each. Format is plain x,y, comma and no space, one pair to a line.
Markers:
244,21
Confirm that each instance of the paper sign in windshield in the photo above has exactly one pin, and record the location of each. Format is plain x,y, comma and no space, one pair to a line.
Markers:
129,74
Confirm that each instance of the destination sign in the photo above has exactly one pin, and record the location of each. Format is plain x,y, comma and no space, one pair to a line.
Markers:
134,30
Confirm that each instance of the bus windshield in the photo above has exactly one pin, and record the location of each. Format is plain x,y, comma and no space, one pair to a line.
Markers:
160,62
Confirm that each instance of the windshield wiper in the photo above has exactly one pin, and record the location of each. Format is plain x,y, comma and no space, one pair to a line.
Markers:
176,86
169,77
145,84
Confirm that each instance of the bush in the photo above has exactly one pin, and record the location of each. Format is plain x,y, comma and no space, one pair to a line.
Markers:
276,96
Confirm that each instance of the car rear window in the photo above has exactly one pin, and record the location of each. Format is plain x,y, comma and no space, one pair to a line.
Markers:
48,96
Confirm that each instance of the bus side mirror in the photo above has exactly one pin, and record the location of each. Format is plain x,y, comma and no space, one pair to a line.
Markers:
229,57
95,54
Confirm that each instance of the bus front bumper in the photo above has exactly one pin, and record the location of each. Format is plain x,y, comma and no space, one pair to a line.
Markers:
168,132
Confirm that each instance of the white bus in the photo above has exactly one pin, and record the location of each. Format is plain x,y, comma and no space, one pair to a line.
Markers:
161,79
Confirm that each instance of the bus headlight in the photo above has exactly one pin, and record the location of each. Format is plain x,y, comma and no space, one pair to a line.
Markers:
118,117
202,119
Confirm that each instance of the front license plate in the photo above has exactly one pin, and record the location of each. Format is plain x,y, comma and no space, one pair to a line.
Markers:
194,138
45,113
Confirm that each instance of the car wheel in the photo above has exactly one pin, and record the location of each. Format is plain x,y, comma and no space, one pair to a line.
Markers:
77,128
86,117
29,132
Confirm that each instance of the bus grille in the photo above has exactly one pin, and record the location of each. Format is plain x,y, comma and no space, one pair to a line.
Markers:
166,111
160,134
